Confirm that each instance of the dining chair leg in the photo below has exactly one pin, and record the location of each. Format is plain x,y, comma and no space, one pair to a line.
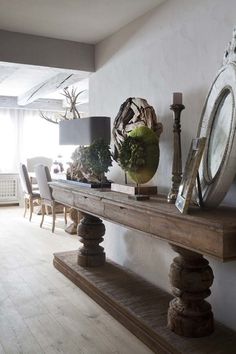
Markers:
26,206
31,207
53,217
43,213
47,210
65,215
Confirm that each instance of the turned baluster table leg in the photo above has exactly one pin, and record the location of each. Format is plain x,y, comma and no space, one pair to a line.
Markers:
75,216
191,277
90,230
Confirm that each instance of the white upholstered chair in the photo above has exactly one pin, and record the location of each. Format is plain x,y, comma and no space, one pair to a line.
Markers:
43,176
29,195
32,162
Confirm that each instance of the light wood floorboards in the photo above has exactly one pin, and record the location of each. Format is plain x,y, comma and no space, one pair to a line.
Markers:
41,311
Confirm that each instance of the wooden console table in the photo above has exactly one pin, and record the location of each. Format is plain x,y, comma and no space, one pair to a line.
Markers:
151,314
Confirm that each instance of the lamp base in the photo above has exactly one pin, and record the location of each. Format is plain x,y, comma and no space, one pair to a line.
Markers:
139,197
87,184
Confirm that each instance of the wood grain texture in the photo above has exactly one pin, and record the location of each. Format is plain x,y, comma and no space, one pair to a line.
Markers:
140,306
41,310
191,277
59,81
209,232
177,154
133,189
91,231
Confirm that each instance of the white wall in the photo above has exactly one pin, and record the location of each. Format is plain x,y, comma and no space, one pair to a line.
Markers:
177,47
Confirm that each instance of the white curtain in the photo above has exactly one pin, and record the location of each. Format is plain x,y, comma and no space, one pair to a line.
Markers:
10,123
39,137
23,134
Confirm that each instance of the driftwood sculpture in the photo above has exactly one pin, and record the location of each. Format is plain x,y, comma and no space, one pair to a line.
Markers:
90,163
75,170
133,113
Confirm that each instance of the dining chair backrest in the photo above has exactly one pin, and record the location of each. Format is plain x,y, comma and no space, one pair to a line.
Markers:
25,181
32,162
43,177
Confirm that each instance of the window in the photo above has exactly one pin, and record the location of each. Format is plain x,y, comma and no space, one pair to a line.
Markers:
23,134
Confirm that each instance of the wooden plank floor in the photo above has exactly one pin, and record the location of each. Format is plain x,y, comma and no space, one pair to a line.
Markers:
141,307
41,311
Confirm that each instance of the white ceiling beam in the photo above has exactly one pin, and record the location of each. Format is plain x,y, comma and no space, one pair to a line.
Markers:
57,82
43,104
6,71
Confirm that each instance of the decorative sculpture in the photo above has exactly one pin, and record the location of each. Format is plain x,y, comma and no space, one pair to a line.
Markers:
136,136
90,163
133,113
230,52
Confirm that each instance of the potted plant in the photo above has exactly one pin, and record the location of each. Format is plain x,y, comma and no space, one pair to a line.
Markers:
90,163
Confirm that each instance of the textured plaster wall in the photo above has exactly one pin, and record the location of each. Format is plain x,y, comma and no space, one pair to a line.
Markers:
177,47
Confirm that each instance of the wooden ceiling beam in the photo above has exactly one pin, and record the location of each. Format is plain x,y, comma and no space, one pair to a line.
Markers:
53,105
57,82
6,71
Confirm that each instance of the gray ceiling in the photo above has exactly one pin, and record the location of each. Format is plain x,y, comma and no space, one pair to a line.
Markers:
86,21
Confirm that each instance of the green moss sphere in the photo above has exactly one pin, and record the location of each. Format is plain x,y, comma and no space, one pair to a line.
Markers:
151,142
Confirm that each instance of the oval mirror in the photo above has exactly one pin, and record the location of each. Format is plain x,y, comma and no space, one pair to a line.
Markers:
217,124
220,132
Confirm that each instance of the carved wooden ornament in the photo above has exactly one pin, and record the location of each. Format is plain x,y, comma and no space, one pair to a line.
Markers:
133,113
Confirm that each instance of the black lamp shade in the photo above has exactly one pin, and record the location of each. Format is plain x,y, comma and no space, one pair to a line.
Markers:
83,131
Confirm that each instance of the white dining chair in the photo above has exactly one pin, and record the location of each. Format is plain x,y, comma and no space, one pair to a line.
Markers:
43,177
29,195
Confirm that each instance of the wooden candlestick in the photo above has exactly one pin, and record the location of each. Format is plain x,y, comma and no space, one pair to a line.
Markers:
177,157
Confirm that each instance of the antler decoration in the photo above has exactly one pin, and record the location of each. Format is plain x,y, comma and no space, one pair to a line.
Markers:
71,98
71,112
56,118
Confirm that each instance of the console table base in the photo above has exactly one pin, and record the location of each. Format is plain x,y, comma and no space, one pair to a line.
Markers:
140,306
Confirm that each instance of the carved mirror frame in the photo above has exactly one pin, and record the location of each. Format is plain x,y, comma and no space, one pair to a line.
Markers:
218,125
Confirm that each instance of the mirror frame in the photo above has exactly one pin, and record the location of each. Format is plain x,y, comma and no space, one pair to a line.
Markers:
214,189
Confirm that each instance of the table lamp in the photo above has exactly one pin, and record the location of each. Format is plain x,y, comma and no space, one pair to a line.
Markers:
84,131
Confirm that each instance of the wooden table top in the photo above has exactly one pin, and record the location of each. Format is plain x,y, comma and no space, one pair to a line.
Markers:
210,232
